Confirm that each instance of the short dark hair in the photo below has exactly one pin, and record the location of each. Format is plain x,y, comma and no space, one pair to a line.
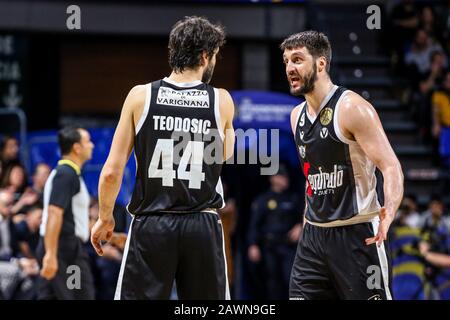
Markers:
67,137
316,42
189,38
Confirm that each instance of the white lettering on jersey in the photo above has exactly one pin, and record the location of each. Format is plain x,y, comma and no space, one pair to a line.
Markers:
178,124
190,98
326,180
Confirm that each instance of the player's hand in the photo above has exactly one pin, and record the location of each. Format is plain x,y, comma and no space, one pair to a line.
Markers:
102,231
386,219
49,266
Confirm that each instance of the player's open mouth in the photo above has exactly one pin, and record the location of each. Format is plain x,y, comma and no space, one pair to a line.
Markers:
294,81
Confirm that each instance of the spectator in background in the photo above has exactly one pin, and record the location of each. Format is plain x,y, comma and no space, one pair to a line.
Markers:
17,273
440,101
39,178
8,239
27,228
441,106
17,279
275,228
422,89
431,79
440,260
407,265
404,22
409,210
442,15
431,24
33,195
15,180
419,56
27,199
436,232
434,217
9,152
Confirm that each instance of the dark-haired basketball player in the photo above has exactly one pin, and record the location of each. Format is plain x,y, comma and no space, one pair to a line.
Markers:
176,233
341,142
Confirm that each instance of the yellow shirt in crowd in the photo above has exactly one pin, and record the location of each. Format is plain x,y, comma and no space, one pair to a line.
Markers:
441,100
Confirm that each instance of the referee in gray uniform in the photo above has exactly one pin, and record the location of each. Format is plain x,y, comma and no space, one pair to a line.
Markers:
65,227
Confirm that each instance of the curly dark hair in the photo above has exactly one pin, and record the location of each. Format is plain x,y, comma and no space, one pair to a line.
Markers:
189,38
316,42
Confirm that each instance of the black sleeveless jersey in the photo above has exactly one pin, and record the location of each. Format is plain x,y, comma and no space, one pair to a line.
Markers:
178,149
341,181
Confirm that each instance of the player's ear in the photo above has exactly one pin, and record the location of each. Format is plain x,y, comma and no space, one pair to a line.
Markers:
321,64
204,58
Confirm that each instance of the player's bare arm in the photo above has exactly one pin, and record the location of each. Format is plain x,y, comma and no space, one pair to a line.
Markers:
226,116
362,124
112,172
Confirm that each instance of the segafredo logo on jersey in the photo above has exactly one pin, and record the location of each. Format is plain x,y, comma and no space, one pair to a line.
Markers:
326,180
190,98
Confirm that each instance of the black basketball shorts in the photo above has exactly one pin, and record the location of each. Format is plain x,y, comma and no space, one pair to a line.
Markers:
335,263
161,248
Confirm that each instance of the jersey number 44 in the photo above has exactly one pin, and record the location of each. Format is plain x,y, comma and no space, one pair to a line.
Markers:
164,154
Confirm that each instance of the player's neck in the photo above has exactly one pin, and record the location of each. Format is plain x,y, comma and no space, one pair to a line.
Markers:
186,76
314,98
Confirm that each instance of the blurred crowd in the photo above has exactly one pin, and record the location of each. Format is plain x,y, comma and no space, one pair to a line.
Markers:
420,244
419,40
419,37
21,205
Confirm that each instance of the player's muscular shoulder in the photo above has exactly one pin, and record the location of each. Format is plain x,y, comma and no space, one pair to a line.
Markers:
354,114
294,116
226,105
225,98
134,104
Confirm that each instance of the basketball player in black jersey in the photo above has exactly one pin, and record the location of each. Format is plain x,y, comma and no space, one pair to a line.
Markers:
340,142
176,234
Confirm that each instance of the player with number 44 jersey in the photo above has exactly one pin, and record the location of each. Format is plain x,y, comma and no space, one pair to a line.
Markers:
181,130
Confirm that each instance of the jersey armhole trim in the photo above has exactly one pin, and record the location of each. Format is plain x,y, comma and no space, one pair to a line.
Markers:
148,96
337,129
300,110
217,113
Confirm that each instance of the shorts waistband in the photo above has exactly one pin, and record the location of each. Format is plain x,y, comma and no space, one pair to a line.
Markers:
207,210
360,218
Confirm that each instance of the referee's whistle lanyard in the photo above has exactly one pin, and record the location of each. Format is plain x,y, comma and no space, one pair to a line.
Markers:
71,164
